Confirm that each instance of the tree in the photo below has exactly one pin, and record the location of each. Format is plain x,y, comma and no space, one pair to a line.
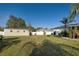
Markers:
74,10
21,23
12,22
31,29
66,22
15,22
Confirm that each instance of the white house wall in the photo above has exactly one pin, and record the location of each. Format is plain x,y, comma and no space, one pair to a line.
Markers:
33,33
1,33
38,33
24,32
16,32
41,33
48,33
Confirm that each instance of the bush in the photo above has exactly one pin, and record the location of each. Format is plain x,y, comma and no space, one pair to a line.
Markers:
1,42
64,33
48,35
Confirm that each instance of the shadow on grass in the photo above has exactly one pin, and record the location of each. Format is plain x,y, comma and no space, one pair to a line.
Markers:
70,47
49,49
26,48
7,42
27,43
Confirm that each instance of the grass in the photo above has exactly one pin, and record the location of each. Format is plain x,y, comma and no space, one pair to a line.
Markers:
39,46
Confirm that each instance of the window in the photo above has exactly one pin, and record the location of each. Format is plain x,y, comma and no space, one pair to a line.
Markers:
11,31
24,31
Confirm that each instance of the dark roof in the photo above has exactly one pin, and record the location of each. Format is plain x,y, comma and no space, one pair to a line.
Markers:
60,27
70,25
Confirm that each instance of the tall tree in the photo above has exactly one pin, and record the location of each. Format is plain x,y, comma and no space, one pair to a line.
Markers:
31,29
11,23
15,22
66,21
21,23
74,10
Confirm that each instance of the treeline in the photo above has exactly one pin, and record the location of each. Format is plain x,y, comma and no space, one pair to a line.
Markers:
18,23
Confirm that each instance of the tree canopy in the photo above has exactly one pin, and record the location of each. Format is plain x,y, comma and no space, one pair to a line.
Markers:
74,10
14,22
31,28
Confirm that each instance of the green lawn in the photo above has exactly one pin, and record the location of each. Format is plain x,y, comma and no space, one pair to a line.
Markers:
39,46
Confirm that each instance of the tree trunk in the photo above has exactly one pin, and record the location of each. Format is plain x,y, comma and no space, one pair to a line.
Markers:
65,30
30,33
73,35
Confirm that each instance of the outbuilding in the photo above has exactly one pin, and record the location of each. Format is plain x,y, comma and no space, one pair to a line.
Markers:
16,32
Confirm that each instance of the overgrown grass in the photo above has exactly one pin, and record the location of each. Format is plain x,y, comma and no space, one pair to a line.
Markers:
39,46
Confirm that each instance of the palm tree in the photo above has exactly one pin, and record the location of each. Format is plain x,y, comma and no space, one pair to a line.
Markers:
66,21
74,10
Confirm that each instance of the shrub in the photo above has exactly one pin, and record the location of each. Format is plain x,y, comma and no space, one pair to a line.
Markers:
1,42
64,33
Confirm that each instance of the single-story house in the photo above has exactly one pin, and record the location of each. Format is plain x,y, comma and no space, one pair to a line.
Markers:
47,32
25,32
16,32
38,33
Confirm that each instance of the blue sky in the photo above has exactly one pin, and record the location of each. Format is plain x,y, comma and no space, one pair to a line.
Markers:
39,15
